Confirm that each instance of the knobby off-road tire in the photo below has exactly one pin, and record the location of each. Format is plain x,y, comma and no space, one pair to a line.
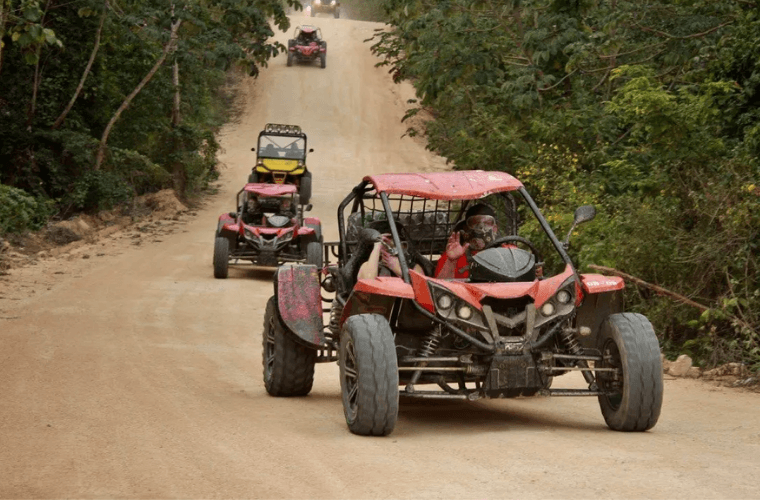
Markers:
369,375
323,61
314,254
254,177
221,257
288,366
290,59
628,341
304,192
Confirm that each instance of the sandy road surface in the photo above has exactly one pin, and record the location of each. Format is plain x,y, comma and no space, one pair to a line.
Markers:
135,374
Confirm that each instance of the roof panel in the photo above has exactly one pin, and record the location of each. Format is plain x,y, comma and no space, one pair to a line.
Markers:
457,185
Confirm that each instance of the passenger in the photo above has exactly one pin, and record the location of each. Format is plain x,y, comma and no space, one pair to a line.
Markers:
471,235
382,261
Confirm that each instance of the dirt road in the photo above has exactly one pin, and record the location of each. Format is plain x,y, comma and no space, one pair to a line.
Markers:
135,374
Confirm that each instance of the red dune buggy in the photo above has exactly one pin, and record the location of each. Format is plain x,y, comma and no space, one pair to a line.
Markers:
268,229
307,46
508,328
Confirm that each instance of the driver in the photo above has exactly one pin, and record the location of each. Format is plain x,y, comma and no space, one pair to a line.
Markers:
471,235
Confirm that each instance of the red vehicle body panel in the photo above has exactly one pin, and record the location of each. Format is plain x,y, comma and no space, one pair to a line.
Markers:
261,189
599,283
300,303
312,49
445,185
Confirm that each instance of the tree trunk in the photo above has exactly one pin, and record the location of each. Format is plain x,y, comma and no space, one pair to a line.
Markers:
59,121
177,101
37,76
104,139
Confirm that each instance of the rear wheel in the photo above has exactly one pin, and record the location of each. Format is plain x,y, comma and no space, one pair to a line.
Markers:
288,366
634,391
323,60
314,254
304,192
221,257
290,59
369,375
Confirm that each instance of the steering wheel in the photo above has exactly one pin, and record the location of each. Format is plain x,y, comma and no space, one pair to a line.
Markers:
516,239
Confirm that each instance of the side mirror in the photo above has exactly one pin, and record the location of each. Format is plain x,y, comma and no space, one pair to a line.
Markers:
311,150
307,208
583,214
253,149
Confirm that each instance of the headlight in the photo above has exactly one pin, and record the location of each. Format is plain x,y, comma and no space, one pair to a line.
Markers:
332,3
445,301
564,297
547,309
464,312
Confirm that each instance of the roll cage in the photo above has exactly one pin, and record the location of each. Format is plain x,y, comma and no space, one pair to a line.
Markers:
432,204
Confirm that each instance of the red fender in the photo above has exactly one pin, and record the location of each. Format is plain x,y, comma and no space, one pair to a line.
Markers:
297,289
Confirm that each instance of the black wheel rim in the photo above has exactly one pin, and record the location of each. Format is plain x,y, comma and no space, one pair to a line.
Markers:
350,380
269,350
612,382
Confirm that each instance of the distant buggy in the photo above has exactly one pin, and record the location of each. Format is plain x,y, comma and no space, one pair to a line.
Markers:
281,158
508,328
325,6
307,46
268,229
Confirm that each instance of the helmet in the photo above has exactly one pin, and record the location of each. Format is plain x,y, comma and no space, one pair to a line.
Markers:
479,225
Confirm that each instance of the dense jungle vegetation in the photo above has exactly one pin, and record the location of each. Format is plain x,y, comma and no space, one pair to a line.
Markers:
647,109
101,100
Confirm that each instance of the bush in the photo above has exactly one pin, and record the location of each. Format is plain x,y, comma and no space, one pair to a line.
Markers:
99,190
20,211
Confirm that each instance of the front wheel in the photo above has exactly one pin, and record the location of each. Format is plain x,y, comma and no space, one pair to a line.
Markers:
337,14
369,375
290,59
254,177
314,254
304,192
634,390
221,257
288,366
323,60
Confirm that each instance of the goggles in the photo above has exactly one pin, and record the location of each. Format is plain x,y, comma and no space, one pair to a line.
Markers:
480,230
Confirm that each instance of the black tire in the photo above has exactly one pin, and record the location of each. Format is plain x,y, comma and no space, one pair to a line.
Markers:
323,60
304,192
221,257
317,231
288,366
254,177
337,14
314,254
627,341
369,375
290,59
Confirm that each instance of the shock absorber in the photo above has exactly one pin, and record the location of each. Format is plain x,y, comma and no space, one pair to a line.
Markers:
571,342
429,345
568,336
336,310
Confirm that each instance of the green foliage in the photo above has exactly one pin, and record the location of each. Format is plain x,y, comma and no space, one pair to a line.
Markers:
20,212
46,50
649,111
99,190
